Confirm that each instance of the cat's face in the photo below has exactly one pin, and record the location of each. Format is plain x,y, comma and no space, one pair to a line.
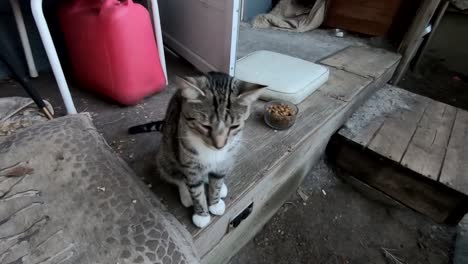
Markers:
216,106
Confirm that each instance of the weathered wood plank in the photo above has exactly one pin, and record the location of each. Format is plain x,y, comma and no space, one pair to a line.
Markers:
435,25
393,137
363,61
368,119
455,169
408,137
367,135
426,150
428,197
343,86
413,38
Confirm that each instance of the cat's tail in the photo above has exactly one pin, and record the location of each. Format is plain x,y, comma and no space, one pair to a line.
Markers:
156,126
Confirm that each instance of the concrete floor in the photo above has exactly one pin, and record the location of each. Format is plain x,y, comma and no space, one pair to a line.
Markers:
330,222
336,222
311,46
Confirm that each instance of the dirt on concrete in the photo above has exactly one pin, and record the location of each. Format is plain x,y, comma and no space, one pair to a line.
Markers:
329,221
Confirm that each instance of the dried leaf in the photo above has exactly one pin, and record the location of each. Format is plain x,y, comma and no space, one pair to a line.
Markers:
16,171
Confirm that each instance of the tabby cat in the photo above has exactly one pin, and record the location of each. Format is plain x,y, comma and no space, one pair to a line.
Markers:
201,133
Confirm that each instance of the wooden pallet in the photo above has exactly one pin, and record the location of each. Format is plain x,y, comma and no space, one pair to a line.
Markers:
410,147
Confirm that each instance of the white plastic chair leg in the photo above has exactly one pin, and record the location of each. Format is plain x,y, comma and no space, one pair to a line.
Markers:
24,37
159,39
41,23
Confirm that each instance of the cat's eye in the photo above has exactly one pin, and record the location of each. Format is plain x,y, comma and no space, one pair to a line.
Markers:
235,127
208,128
189,118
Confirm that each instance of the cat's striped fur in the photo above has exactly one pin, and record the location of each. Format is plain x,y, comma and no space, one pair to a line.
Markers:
202,131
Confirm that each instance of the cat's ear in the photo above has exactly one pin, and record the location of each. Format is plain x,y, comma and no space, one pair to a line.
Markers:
249,92
190,87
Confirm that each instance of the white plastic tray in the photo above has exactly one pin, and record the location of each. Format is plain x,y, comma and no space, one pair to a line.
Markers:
288,78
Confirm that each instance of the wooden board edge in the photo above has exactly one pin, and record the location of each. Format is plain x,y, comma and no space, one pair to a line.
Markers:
414,36
455,156
397,58
366,165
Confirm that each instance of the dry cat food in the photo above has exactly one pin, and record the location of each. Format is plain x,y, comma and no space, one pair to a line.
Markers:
281,110
280,115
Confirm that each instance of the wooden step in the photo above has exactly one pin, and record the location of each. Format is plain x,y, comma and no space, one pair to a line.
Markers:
410,147
273,163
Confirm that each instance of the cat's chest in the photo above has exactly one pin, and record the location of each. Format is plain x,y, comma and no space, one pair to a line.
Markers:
214,160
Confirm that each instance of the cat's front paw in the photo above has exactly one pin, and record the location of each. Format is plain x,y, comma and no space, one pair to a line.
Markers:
201,221
224,191
218,208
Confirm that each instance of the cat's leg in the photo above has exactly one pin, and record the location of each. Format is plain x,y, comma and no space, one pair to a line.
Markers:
224,190
201,217
175,178
184,193
216,205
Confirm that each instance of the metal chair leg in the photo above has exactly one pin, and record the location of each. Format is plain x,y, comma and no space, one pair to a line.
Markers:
158,32
24,37
41,23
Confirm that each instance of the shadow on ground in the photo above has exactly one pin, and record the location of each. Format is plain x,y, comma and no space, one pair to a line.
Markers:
434,80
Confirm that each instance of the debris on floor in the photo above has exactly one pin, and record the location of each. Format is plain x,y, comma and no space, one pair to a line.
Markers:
303,196
19,112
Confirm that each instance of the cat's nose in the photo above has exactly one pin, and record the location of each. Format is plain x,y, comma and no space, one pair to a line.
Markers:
219,142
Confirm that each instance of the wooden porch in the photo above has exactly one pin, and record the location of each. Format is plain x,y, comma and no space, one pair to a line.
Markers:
273,163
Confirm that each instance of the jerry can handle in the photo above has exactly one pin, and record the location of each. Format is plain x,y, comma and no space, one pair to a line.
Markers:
127,2
79,4
109,3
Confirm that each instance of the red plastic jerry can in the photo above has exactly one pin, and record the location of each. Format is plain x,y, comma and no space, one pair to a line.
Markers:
112,48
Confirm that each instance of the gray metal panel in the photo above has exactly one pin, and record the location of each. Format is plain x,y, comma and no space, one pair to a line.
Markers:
199,30
253,8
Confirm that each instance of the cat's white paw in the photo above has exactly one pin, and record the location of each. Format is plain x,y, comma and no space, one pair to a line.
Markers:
224,191
186,200
201,221
217,209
